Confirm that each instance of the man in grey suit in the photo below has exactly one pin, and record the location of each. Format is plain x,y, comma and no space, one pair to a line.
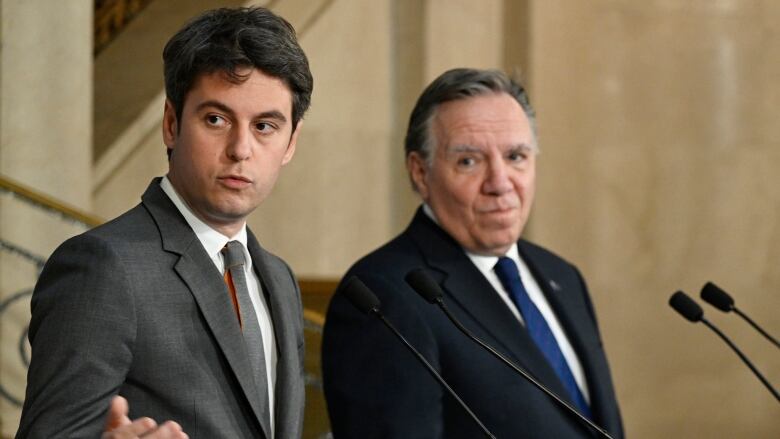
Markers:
174,305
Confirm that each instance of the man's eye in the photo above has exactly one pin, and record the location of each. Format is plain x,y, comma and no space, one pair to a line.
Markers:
516,156
466,161
214,120
264,127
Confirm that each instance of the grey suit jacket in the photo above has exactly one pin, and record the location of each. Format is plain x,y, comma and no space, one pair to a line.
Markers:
136,307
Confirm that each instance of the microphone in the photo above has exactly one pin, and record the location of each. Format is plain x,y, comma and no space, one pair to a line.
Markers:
427,287
720,299
693,312
686,307
366,301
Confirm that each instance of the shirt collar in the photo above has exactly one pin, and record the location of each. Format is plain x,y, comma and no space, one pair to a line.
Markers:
212,240
429,212
487,263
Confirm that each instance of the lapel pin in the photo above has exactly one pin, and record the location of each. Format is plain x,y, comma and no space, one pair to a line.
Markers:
554,285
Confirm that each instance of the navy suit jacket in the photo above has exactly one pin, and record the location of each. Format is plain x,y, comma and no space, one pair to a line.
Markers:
375,388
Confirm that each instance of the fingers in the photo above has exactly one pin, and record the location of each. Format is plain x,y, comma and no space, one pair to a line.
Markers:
146,428
137,428
117,413
169,430
119,426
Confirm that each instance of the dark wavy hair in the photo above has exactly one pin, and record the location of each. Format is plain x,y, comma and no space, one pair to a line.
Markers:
229,39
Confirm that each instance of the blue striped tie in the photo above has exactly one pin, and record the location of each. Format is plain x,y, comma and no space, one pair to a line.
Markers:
540,332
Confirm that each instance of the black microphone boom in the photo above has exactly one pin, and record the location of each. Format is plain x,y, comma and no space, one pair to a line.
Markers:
366,301
427,287
720,299
693,312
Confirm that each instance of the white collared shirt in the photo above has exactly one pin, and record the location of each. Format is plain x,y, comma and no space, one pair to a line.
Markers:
486,265
213,242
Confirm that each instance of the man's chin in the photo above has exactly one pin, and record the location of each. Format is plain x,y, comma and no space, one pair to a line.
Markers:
493,248
501,240
228,216
501,223
237,208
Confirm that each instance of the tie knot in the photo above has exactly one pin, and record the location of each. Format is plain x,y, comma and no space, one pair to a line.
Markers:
233,252
506,269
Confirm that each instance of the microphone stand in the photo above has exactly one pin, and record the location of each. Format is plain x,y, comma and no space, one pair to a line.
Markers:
743,357
433,372
511,364
757,328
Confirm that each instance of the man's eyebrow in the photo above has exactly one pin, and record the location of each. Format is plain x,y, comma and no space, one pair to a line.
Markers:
214,104
523,146
463,148
271,114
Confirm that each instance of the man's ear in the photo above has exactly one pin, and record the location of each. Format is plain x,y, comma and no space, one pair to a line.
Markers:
288,155
170,125
418,172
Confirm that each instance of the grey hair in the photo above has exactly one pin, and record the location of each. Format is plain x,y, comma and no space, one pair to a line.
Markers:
454,85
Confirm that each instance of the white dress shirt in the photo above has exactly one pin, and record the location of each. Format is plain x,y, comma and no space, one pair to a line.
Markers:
486,265
213,242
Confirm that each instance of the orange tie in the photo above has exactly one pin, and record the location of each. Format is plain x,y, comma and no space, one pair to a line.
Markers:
232,288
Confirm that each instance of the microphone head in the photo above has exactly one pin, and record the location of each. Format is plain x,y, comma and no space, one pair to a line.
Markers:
361,296
716,297
686,306
424,284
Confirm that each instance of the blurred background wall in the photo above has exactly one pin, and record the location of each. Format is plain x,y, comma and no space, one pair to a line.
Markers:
659,166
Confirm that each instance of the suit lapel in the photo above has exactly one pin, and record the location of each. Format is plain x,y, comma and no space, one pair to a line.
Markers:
565,298
278,288
469,289
207,287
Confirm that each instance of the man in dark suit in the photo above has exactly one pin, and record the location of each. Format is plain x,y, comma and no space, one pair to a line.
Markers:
174,305
471,155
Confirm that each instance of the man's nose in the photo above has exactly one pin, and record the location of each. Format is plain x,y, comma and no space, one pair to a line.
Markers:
497,180
240,146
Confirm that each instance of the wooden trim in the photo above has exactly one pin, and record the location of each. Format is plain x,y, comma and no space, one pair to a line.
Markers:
48,202
316,295
313,316
325,287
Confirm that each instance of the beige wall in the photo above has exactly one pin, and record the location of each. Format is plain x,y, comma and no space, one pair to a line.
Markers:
658,168
332,198
659,171
45,143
